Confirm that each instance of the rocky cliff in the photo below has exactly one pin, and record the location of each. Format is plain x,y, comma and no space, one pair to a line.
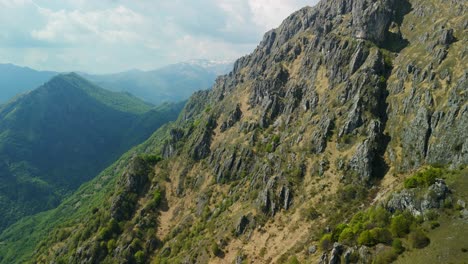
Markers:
327,116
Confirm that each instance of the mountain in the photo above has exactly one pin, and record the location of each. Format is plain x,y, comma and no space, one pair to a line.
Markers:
171,83
217,67
341,138
16,80
61,135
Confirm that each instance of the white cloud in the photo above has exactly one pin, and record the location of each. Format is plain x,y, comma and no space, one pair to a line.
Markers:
115,35
13,3
75,27
270,13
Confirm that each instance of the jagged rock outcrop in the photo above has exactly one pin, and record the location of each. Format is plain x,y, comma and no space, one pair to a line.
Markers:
417,204
232,119
363,160
201,146
134,182
335,255
320,136
170,147
312,120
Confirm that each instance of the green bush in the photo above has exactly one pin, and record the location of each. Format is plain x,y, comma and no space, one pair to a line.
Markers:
293,260
111,245
375,236
215,250
269,148
109,230
381,235
347,236
365,238
400,224
379,216
431,215
140,257
326,242
276,139
411,183
310,213
418,239
424,178
156,201
338,229
385,256
352,192
151,158
398,246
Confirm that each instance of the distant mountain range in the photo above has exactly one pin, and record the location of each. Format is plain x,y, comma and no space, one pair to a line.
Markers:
61,135
15,80
172,83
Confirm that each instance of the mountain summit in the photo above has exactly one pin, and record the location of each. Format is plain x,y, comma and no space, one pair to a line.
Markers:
62,134
342,137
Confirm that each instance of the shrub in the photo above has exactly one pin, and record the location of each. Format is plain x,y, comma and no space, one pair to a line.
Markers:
151,158
269,148
351,192
365,238
293,260
111,245
381,235
411,183
310,213
418,239
347,236
326,242
215,250
398,246
375,236
336,233
382,80
434,224
140,257
156,201
400,224
379,216
431,215
276,139
424,178
448,204
385,256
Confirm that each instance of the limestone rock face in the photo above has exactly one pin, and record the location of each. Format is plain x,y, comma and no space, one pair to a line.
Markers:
418,204
371,19
337,98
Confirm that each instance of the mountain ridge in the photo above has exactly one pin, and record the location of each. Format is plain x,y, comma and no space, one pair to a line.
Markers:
80,126
346,106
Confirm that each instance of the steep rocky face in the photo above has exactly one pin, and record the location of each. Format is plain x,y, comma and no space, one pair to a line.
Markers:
331,109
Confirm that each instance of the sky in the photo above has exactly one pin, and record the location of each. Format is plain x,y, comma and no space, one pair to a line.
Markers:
103,36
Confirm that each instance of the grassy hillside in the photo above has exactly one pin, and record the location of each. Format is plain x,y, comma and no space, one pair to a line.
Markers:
62,134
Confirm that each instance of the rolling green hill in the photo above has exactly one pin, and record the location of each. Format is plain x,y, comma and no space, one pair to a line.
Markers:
61,135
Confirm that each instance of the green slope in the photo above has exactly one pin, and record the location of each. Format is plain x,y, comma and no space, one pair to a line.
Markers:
62,134
18,242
